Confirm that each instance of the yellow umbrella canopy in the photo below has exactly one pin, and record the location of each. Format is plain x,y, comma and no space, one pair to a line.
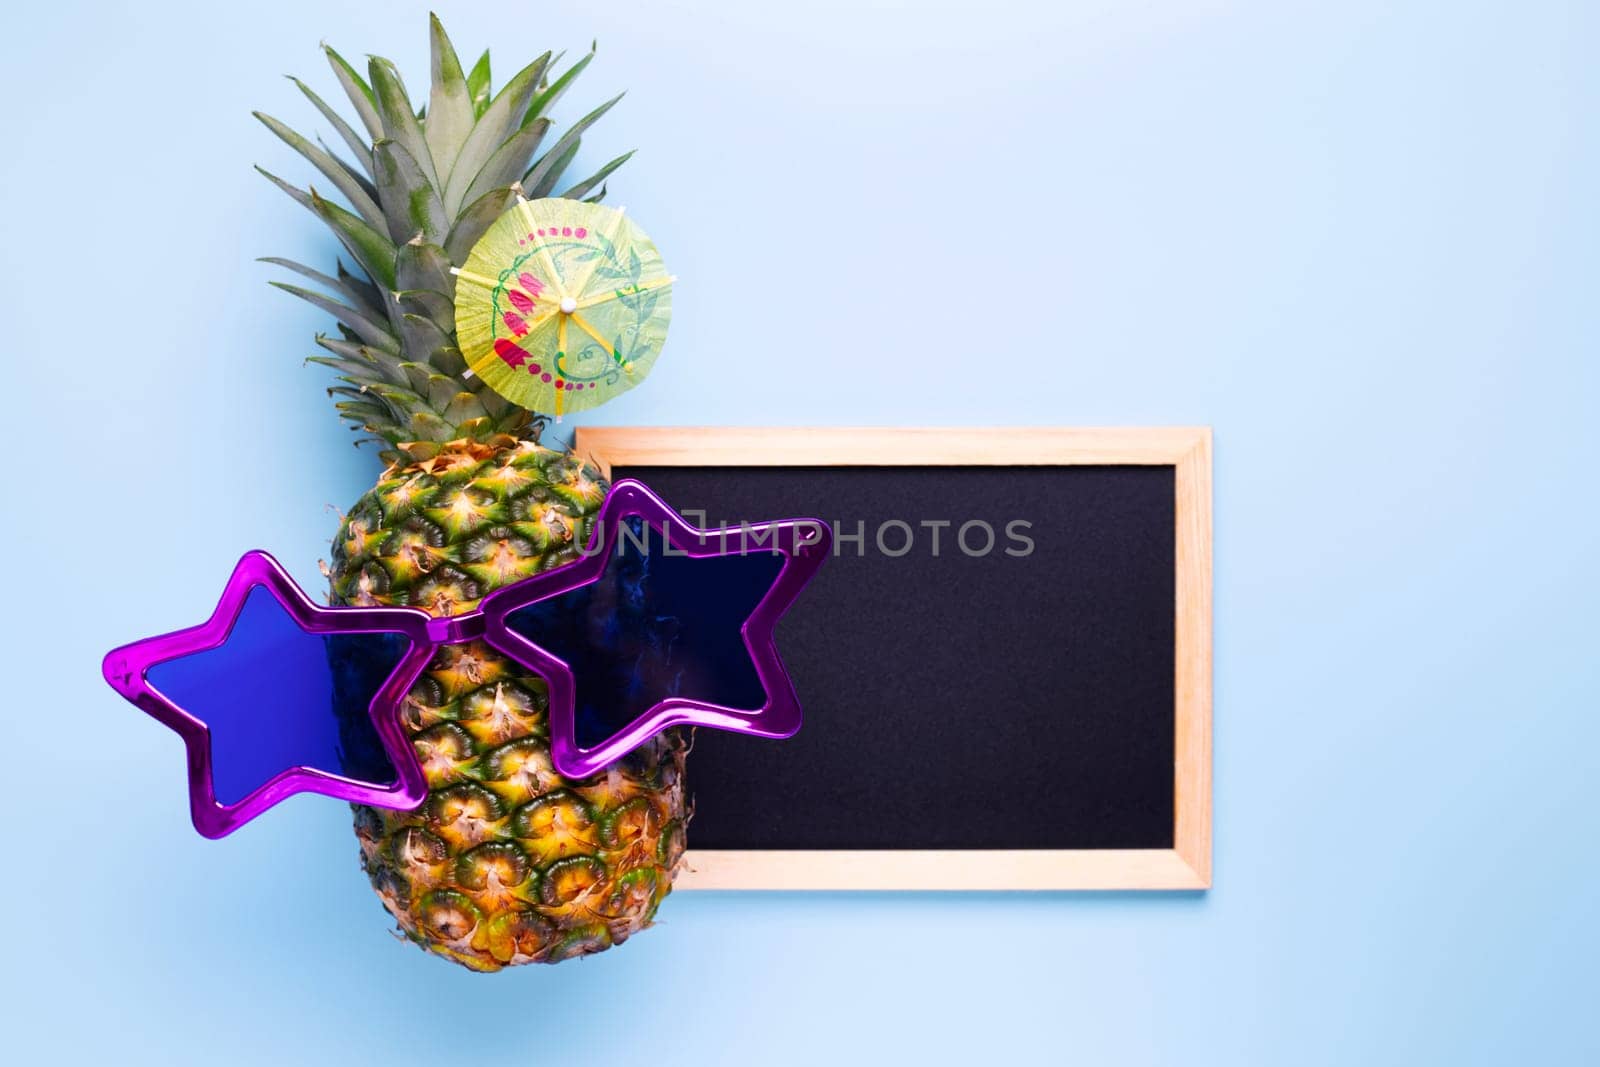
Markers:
561,305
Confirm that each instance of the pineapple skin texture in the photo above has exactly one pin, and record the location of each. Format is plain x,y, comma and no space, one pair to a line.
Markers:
506,862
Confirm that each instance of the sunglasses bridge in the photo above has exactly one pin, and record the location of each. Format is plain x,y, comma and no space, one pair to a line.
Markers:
454,629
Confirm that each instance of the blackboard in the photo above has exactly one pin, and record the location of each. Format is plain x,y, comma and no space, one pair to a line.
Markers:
989,664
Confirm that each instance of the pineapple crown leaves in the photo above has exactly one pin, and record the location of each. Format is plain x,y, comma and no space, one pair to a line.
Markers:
426,183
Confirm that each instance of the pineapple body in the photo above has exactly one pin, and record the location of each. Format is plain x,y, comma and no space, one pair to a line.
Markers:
506,861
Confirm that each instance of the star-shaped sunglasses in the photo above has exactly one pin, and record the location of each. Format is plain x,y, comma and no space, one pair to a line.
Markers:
657,624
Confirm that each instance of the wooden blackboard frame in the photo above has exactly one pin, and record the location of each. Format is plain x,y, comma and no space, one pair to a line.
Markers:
1187,865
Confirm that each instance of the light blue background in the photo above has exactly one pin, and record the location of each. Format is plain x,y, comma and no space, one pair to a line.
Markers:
1358,239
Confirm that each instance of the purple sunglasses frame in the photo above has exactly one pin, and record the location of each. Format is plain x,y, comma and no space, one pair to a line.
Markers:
124,668
804,542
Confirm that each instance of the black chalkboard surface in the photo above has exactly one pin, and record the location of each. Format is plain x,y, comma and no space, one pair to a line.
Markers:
1005,667
986,662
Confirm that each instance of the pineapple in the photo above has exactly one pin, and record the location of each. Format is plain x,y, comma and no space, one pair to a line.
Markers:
506,862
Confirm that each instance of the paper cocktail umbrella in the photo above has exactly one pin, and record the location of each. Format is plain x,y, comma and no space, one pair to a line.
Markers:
562,305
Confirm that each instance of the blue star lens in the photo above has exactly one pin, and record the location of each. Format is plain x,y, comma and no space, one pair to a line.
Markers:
655,625
276,697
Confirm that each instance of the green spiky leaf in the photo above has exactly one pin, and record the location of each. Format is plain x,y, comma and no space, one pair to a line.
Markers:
410,201
369,330
509,160
495,404
462,408
357,176
499,122
422,337
353,140
420,265
430,303
400,122
478,84
354,351
450,115
420,376
364,411
370,248
426,426
547,99
360,294
543,175
416,375
404,402
364,371
447,360
300,196
330,167
442,389
475,221
379,365
372,296
345,367
359,92
582,189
